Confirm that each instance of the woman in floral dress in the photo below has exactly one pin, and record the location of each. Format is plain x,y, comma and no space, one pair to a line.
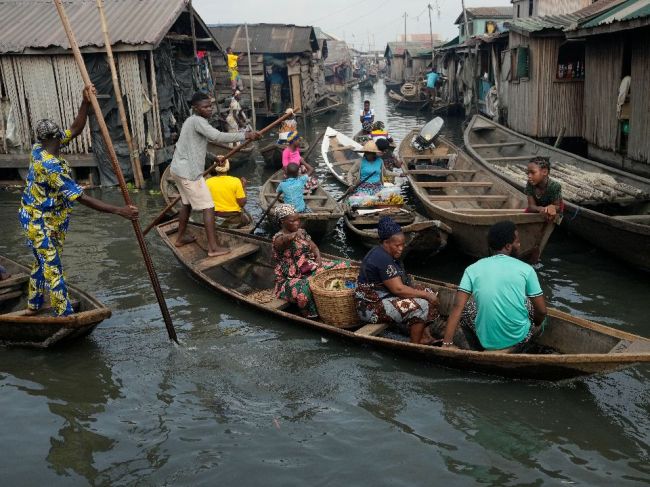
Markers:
297,259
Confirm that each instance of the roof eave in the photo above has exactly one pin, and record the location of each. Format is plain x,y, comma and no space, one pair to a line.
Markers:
609,28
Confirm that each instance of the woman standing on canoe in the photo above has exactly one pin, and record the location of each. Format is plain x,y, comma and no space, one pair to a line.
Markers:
50,193
384,291
297,258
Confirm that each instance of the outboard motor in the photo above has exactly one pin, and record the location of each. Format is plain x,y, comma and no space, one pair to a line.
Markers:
424,140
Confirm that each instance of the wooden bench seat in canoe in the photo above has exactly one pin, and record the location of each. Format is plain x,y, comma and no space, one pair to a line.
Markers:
441,172
14,280
371,329
498,144
455,184
234,254
468,197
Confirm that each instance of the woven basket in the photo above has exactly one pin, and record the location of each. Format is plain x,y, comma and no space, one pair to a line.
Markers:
335,307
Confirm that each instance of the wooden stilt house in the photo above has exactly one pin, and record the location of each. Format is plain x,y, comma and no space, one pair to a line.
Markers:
156,67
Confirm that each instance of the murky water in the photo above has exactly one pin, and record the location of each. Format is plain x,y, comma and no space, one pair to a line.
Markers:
251,400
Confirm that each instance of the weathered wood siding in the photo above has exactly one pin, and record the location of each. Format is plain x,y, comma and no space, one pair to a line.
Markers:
558,7
397,68
603,64
540,106
639,140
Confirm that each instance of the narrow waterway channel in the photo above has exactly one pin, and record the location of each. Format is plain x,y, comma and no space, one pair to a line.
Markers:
249,400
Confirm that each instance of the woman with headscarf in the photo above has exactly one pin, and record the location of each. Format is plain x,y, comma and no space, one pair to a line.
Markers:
48,198
297,258
229,196
385,293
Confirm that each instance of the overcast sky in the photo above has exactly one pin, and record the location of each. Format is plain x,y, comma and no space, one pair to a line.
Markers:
357,21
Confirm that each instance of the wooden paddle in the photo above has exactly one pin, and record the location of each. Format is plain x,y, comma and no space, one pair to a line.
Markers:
352,188
275,200
116,168
216,163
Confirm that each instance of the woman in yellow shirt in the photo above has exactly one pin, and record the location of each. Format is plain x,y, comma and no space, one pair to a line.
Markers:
229,197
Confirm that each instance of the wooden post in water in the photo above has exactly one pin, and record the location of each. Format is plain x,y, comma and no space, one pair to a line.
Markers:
116,167
133,155
250,75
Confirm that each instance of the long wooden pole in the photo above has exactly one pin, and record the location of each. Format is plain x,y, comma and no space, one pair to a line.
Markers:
135,160
250,76
429,7
118,171
209,170
404,67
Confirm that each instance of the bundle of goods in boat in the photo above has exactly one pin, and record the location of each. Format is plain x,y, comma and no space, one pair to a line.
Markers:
338,284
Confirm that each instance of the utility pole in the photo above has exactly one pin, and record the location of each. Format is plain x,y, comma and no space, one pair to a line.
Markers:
429,7
404,69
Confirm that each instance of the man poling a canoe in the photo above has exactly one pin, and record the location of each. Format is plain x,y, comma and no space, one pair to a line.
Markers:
48,198
187,168
508,309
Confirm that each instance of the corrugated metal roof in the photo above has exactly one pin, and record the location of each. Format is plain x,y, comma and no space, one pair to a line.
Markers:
627,10
267,38
486,13
28,24
397,48
561,22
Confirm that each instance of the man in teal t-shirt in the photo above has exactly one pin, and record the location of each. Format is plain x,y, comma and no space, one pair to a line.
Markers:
500,285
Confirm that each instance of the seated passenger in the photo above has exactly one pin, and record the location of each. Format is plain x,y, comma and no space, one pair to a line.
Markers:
370,169
229,197
297,258
544,194
291,155
293,188
385,293
504,291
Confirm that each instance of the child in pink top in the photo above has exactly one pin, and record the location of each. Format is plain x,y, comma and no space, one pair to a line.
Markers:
291,155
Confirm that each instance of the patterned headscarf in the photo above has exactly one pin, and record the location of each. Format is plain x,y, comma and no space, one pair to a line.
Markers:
387,228
224,167
291,136
378,125
282,210
48,129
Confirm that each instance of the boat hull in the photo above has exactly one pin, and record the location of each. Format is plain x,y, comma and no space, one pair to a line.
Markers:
626,240
584,347
43,331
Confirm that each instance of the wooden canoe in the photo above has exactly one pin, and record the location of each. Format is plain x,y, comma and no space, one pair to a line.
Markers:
415,104
169,192
366,84
327,104
236,161
424,237
43,330
272,153
325,211
457,190
580,347
618,224
338,151
392,84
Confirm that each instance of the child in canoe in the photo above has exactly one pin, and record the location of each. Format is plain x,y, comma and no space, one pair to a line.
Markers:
293,188
544,194
291,155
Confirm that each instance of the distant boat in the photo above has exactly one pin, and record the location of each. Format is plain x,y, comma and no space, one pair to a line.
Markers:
416,103
461,193
570,346
43,330
606,206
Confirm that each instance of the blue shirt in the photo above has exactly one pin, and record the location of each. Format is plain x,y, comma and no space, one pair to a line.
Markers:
293,188
368,168
500,285
432,78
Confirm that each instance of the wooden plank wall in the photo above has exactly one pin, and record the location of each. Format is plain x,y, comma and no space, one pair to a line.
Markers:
639,140
556,7
540,107
603,64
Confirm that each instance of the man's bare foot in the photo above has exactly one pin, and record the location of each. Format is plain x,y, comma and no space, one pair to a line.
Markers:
30,312
218,251
185,240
